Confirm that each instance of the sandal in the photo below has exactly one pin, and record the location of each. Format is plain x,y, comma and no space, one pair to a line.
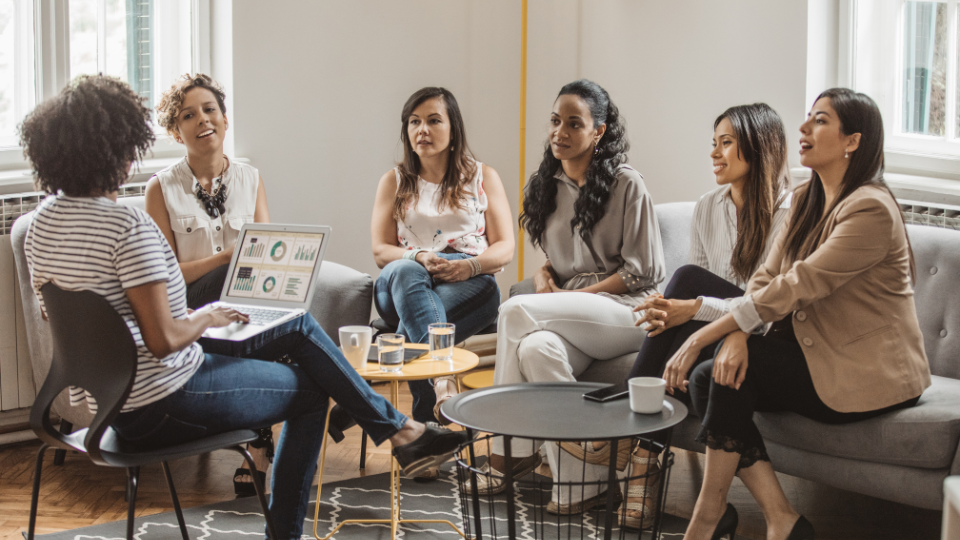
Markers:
246,489
641,496
444,421
582,506
491,482
427,475
595,454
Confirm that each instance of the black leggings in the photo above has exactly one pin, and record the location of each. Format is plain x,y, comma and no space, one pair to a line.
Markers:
777,379
207,289
687,283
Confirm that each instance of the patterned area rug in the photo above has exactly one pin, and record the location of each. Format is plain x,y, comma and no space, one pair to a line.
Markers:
359,498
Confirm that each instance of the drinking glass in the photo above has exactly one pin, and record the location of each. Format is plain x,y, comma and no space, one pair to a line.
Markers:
390,352
441,336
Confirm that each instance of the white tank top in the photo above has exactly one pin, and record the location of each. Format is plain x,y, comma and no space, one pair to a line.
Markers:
197,234
426,227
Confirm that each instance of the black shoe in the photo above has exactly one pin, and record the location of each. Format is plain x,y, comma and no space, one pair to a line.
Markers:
340,421
727,526
435,446
802,530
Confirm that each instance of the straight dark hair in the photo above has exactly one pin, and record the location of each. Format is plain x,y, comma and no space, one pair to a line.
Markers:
461,167
857,114
540,200
763,145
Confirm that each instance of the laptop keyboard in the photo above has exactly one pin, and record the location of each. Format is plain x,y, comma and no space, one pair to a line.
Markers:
263,316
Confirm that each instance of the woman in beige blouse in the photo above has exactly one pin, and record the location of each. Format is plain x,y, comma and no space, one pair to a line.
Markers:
845,344
594,219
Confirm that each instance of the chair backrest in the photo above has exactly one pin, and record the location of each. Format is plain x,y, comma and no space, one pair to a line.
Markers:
92,349
674,220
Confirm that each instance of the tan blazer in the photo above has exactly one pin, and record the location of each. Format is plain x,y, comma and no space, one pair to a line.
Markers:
852,306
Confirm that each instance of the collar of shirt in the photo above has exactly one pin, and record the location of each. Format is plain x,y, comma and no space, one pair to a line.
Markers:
562,176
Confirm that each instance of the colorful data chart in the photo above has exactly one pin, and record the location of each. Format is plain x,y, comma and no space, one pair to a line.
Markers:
253,248
279,249
305,250
295,287
268,286
244,281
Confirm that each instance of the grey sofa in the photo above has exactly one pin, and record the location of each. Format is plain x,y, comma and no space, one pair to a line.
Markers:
343,297
903,456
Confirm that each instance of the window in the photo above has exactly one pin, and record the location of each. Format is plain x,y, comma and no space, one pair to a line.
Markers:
906,56
46,43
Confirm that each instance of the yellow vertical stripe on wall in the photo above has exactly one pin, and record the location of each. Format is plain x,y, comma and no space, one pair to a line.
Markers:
523,129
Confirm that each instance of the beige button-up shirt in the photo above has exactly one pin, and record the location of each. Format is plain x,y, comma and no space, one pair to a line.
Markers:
626,241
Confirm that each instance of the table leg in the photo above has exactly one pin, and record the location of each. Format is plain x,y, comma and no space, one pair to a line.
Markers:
611,485
508,478
661,496
323,457
476,490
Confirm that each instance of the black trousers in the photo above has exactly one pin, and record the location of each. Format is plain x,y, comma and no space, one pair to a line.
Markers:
777,379
687,283
207,289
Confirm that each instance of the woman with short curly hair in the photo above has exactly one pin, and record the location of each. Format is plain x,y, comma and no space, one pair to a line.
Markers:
594,219
82,143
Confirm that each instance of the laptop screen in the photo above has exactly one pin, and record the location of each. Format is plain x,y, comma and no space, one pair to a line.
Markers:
275,265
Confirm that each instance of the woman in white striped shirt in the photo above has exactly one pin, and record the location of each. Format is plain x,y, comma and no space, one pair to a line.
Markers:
81,144
733,229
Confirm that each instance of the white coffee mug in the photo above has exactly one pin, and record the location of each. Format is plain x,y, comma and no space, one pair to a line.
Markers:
646,394
355,342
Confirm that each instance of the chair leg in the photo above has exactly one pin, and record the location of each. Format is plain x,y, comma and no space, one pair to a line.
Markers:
176,502
66,428
133,475
258,486
35,497
363,450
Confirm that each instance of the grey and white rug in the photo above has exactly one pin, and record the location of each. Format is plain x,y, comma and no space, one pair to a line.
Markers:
361,498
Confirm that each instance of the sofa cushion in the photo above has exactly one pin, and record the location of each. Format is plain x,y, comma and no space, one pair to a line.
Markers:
924,436
937,255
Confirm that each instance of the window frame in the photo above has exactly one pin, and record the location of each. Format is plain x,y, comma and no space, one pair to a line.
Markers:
910,151
52,66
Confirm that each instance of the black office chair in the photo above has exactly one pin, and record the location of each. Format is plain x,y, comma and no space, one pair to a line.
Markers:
94,350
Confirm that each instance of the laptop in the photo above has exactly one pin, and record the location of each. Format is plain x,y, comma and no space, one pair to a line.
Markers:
272,276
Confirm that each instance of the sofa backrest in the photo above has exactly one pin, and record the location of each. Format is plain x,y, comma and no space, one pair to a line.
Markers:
937,284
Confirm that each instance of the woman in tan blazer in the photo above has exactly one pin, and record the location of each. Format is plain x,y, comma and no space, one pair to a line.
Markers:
845,344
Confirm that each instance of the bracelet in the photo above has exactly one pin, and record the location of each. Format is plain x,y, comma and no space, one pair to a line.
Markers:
411,254
474,266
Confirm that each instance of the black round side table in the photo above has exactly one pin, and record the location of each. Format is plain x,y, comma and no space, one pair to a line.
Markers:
554,412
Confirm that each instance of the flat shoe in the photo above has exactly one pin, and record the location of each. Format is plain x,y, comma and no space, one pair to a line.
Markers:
427,475
491,482
435,446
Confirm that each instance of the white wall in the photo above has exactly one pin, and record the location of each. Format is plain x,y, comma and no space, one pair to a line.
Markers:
318,90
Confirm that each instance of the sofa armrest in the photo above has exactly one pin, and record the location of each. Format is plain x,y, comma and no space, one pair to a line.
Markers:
523,287
343,297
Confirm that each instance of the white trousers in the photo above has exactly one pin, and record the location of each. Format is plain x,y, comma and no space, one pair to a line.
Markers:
554,337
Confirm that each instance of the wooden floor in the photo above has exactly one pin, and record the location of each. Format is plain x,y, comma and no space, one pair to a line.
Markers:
80,494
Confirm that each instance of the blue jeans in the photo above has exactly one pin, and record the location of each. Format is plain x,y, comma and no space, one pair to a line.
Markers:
235,389
405,295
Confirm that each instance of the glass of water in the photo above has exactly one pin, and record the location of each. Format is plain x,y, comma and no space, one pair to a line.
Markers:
390,352
441,337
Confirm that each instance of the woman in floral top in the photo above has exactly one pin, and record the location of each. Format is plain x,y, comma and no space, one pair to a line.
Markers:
441,227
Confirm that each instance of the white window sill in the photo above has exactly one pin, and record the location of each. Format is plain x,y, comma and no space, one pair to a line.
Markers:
908,186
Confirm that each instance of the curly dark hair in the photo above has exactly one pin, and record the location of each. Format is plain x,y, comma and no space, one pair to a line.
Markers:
82,141
172,100
540,198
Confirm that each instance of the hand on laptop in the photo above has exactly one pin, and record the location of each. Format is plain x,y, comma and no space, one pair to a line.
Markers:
220,315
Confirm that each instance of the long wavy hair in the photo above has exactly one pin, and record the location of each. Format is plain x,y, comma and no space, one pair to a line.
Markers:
540,199
858,114
763,145
461,167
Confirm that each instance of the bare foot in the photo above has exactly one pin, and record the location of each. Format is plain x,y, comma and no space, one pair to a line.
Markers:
259,456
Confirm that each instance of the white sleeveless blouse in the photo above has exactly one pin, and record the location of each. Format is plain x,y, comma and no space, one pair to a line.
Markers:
426,227
197,234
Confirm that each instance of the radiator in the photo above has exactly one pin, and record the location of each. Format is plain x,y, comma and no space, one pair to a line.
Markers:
931,214
16,375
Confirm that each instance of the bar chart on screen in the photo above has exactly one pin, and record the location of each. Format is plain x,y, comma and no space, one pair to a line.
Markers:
295,287
305,250
253,248
244,281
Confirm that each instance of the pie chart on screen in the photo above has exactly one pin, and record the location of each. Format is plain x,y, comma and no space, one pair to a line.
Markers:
269,284
278,250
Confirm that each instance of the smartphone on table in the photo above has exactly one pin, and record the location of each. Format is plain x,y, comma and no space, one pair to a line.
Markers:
608,393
